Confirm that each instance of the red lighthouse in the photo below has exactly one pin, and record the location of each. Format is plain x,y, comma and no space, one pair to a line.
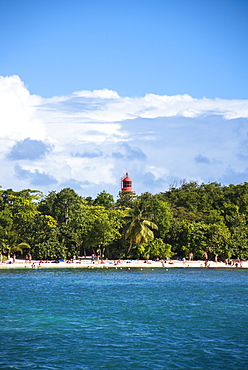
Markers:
126,184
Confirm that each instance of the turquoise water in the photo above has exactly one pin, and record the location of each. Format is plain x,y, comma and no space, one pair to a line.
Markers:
124,319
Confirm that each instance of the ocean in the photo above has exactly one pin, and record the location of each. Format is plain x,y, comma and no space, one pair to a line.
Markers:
124,319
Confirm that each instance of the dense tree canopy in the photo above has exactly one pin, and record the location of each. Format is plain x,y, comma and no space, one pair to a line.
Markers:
190,218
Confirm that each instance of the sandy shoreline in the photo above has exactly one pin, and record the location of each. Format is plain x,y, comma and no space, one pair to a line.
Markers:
87,263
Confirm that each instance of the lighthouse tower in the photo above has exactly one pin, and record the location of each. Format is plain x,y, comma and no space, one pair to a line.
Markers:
126,185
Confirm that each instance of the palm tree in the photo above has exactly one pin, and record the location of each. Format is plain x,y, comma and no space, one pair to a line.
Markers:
139,229
17,248
10,243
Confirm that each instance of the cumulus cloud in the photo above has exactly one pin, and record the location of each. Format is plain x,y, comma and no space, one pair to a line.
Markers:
232,176
28,149
150,180
74,184
108,106
88,139
36,178
128,152
18,111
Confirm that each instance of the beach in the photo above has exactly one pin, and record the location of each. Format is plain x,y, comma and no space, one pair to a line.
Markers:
88,263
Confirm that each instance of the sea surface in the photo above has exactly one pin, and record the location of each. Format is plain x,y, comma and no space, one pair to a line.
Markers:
124,319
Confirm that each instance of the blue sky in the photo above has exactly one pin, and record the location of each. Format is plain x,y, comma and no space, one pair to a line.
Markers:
92,89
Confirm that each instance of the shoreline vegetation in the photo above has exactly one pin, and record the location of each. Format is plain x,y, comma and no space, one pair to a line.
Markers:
119,264
188,222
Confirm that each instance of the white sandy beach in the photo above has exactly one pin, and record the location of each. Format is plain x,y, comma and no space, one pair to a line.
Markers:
118,264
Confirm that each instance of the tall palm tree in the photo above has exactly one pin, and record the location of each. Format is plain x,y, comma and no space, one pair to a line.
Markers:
139,228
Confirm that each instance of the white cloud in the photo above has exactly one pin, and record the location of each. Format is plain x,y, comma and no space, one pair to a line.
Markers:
107,106
157,137
103,94
18,112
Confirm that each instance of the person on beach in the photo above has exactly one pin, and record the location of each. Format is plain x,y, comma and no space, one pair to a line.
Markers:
93,258
148,259
191,256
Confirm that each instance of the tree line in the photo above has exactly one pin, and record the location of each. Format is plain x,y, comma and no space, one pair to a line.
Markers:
189,218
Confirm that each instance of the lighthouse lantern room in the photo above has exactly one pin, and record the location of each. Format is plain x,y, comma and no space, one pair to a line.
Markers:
126,184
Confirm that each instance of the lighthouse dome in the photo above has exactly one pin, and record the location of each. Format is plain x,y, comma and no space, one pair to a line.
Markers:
126,184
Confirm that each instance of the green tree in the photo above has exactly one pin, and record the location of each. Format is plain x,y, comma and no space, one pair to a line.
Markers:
67,209
45,238
155,248
12,248
155,207
139,229
17,213
126,200
218,236
105,200
104,229
61,205
196,239
238,243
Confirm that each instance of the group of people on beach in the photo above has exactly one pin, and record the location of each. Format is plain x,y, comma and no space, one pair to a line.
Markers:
98,258
230,262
